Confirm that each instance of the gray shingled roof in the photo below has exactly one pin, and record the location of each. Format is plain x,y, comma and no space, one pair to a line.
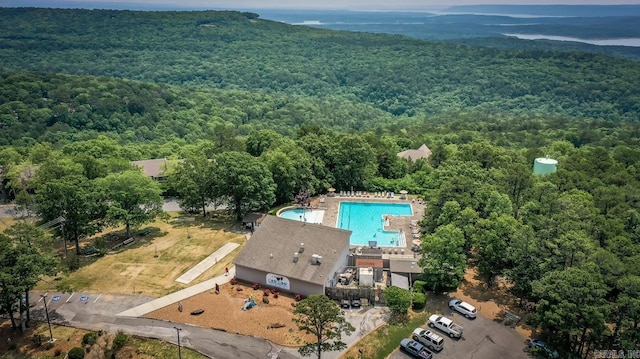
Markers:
282,237
412,155
152,168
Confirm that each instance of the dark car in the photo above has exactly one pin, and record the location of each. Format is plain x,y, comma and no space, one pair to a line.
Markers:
355,303
345,303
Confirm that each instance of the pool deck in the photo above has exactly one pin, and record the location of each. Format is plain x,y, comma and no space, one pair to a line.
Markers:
331,206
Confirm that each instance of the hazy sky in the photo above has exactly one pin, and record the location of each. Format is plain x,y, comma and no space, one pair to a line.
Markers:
360,4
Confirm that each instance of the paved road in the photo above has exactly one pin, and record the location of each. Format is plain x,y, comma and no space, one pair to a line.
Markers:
169,204
7,210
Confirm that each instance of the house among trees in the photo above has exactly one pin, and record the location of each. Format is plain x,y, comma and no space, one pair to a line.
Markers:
153,168
423,152
294,256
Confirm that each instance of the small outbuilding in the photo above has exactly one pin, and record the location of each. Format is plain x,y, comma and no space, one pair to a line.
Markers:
297,257
252,220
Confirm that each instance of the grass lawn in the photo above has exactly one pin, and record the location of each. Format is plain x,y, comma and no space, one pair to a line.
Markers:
5,222
161,350
384,340
135,269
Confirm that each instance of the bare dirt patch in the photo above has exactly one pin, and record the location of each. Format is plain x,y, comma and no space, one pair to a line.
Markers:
491,302
224,312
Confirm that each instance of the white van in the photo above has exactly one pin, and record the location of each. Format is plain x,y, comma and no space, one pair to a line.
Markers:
428,339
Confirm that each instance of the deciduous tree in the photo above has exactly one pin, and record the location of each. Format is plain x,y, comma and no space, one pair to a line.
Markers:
398,300
131,198
443,261
243,182
321,317
25,256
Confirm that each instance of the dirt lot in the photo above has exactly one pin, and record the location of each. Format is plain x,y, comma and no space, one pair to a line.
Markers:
493,302
224,311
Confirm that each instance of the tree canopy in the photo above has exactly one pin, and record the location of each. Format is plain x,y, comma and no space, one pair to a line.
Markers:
321,317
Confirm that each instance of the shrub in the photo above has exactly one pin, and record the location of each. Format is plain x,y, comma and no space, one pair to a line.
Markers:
419,301
90,338
256,286
419,285
298,297
57,352
76,353
234,280
48,345
38,339
267,292
119,341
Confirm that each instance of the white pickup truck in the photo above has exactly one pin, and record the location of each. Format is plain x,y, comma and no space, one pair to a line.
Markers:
446,325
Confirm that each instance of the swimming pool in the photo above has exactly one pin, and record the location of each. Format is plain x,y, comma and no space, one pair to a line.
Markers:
303,215
366,220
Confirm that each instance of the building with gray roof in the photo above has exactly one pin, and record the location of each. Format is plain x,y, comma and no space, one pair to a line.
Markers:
294,256
423,152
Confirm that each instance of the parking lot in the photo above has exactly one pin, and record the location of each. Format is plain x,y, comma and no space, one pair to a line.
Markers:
482,338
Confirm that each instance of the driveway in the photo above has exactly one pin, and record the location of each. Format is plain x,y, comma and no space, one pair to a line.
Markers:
483,338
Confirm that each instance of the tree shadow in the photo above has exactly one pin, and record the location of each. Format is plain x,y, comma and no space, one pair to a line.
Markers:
510,310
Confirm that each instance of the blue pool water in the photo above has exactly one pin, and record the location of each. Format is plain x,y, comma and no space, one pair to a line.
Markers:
303,214
366,219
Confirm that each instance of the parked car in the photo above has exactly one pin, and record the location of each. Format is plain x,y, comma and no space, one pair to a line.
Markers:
415,349
446,325
345,304
466,309
544,348
356,303
428,339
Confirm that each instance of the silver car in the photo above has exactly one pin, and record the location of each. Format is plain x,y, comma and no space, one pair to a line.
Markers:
466,309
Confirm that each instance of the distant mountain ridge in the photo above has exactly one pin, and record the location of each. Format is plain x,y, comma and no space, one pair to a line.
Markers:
300,75
551,10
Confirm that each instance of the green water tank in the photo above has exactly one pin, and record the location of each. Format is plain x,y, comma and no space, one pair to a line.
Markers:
544,165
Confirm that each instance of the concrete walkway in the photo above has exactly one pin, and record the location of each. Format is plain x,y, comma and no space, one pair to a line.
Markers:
207,263
178,296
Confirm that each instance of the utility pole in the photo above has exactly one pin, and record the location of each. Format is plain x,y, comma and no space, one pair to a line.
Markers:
179,350
46,312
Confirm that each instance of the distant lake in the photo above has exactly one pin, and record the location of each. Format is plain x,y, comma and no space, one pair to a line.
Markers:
633,42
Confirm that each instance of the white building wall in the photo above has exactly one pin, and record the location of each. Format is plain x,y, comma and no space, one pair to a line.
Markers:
296,286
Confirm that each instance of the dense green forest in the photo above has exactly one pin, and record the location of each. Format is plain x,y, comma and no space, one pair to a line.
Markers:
262,111
398,75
